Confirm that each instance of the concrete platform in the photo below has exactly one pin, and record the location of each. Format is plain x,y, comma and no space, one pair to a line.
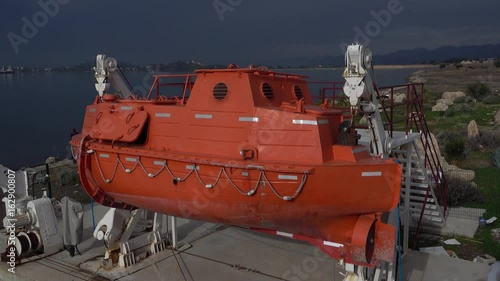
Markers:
223,253
418,266
217,253
495,272
461,221
461,227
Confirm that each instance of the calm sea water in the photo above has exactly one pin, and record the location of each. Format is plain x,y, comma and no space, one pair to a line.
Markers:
39,110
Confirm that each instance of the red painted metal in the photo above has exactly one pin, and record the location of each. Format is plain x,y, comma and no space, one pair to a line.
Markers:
351,253
413,119
331,92
244,159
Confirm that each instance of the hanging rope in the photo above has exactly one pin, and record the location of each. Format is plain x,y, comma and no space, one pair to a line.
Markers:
177,178
288,198
123,166
203,183
146,171
75,156
251,192
100,170
262,177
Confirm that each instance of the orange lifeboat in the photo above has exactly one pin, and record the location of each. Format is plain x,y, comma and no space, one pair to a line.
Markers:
244,147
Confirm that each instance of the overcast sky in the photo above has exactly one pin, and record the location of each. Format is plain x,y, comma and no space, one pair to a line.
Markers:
238,31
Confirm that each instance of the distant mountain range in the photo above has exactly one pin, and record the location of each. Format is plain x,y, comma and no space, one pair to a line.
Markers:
415,56
403,57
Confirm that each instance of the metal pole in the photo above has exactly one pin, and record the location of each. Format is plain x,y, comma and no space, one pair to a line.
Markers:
173,220
406,211
93,214
49,185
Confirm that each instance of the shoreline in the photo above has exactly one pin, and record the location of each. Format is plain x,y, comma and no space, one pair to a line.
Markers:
387,66
405,66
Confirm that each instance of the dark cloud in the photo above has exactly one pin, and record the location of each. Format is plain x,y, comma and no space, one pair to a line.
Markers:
254,30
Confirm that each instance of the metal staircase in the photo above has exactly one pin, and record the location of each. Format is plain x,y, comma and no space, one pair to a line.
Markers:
424,192
417,189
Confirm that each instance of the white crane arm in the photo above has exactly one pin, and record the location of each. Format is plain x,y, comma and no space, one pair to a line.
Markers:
107,74
360,89
359,82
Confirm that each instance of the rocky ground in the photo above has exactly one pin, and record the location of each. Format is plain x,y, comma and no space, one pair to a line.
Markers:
451,109
452,79
64,181
451,102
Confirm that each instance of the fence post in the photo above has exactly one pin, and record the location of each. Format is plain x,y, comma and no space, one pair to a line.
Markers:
49,184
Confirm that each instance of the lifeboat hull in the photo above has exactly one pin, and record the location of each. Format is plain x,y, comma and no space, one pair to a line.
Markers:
325,205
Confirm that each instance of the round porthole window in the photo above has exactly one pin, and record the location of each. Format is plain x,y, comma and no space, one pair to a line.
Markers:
298,92
220,91
267,91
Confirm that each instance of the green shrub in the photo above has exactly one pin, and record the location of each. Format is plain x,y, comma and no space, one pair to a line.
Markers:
491,99
490,139
461,100
460,108
454,149
441,66
461,192
486,139
457,108
445,136
431,97
343,103
449,113
497,63
478,90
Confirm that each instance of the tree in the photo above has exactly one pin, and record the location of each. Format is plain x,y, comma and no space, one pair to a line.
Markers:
478,90
455,149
